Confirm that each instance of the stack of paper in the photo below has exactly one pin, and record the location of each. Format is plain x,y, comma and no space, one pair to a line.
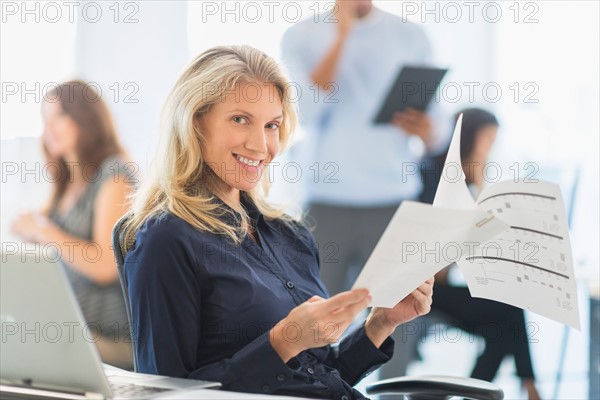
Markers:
512,245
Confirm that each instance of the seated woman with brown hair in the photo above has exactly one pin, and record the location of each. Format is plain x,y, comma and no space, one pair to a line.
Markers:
90,183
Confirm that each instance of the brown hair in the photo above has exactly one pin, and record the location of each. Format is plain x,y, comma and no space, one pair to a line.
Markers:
97,138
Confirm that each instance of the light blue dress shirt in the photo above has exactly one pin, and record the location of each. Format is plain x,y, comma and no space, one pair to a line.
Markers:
345,158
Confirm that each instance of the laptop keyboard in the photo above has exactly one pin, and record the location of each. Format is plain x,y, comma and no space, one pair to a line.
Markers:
134,391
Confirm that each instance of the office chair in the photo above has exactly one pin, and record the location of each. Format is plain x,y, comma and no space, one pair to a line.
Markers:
426,387
119,251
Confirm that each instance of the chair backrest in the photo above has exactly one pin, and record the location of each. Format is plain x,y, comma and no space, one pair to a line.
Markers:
119,246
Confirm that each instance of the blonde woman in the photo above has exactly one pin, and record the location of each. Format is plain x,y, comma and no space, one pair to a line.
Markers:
223,285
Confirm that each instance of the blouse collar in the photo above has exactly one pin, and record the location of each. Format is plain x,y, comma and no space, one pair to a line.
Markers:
232,217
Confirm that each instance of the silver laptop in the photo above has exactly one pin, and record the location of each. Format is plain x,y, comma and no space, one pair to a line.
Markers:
45,348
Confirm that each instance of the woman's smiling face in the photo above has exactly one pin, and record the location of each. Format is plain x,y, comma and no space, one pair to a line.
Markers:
242,135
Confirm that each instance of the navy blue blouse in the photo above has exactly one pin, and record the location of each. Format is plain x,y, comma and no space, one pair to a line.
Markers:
202,308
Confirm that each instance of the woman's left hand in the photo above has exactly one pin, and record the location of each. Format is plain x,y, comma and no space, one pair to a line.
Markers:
33,227
383,321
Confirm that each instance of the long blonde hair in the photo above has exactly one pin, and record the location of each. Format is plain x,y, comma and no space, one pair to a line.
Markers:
180,180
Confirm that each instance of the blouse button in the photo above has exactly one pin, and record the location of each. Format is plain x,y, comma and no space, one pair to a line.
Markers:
266,388
310,371
281,377
290,284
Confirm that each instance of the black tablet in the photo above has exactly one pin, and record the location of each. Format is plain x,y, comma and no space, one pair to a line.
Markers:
414,88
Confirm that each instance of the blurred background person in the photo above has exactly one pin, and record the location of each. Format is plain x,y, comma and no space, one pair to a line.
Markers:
90,182
479,131
362,171
501,326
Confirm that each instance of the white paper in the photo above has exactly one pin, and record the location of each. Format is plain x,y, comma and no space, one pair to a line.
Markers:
452,191
419,241
512,245
529,265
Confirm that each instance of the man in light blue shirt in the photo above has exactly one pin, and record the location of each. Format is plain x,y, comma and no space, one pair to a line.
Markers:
344,74
345,62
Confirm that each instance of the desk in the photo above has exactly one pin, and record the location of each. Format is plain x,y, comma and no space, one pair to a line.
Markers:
212,394
200,394
209,394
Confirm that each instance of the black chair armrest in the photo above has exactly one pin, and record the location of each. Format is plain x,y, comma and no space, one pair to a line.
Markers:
437,388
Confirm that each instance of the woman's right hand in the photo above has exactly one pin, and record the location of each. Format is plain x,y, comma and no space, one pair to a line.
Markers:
317,322
32,227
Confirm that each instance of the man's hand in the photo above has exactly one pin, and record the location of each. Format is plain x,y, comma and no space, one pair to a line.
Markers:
414,122
346,15
383,321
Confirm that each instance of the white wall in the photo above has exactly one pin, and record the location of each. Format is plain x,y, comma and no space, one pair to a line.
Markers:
139,60
143,59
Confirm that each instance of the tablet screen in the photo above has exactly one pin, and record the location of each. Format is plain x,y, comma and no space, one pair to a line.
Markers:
414,88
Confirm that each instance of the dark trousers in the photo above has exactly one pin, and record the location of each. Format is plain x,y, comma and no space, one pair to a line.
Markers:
346,236
502,327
